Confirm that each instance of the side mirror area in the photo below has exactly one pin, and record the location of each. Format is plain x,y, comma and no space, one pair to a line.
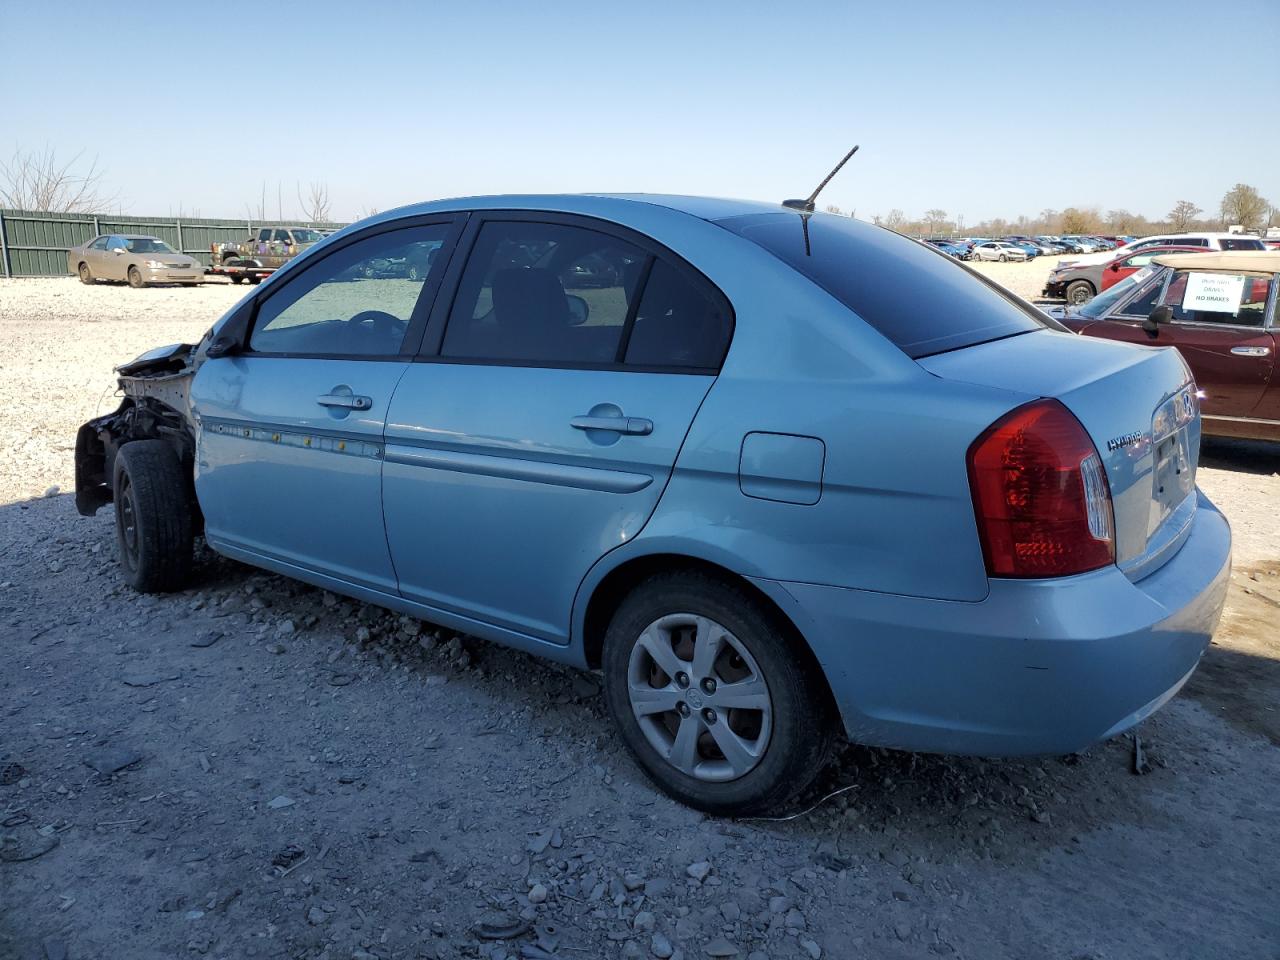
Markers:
1161,314
1115,268
232,336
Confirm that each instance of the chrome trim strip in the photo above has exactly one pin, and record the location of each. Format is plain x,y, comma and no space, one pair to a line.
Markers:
535,471
1215,416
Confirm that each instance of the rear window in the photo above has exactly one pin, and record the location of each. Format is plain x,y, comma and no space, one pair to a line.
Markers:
921,300
1242,243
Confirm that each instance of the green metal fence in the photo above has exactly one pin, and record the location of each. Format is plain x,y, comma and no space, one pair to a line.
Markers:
36,244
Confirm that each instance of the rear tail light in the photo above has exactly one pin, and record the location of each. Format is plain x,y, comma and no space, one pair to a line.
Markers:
1041,495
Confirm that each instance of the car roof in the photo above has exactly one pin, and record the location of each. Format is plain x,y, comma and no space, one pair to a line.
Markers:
1208,236
603,204
1248,261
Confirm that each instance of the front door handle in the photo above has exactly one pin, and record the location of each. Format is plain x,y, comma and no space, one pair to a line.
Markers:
637,426
1251,351
346,401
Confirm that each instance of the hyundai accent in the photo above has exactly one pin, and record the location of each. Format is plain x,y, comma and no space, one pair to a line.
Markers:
778,475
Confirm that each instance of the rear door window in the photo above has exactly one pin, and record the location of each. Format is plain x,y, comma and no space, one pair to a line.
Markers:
543,293
922,302
679,322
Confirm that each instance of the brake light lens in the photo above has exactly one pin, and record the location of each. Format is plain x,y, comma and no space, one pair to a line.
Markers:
1040,494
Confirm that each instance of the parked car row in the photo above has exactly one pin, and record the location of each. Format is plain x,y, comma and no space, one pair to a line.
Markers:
965,248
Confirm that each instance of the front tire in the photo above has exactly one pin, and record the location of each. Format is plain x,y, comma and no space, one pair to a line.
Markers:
1004,258
1078,292
135,278
714,696
153,517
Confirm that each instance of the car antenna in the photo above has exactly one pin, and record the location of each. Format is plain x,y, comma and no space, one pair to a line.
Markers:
806,206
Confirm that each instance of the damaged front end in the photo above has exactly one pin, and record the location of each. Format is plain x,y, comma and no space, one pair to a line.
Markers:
156,405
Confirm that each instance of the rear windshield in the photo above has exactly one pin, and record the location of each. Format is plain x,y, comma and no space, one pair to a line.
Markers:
920,299
1242,243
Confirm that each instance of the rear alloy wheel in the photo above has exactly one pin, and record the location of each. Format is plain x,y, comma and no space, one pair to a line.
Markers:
712,695
1078,292
85,275
153,516
135,278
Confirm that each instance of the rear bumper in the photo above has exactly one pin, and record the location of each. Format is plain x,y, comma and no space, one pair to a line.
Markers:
1038,667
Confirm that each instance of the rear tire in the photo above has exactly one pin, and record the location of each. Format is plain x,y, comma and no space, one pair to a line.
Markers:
153,517
236,278
85,275
135,278
779,743
1078,292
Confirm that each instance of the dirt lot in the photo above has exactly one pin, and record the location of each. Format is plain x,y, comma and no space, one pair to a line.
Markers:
284,773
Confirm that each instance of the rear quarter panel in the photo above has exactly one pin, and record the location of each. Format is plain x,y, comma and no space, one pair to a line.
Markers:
894,512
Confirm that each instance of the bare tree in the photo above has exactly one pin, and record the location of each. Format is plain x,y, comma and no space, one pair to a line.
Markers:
40,181
895,219
315,208
832,208
1122,221
1183,212
1076,220
1244,205
934,217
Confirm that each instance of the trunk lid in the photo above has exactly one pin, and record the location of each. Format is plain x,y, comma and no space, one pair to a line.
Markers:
1137,403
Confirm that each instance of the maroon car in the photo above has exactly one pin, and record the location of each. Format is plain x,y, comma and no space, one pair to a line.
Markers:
1219,310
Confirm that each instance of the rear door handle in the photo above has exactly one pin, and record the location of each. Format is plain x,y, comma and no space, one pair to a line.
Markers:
347,401
1251,351
638,426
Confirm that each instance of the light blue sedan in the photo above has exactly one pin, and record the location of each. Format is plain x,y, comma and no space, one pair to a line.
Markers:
778,475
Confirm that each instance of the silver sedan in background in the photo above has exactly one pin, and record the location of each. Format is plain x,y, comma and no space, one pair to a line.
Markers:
998,250
137,259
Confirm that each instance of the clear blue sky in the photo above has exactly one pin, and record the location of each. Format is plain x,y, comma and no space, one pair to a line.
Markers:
990,108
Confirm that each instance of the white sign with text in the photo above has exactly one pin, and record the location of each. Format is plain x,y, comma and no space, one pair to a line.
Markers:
1215,292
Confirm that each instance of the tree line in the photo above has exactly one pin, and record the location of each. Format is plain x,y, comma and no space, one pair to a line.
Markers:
1242,205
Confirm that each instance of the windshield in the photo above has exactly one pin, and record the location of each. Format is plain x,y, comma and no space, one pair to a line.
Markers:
147,245
1104,301
307,236
921,300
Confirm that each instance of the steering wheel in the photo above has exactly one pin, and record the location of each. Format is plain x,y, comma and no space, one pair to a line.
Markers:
381,323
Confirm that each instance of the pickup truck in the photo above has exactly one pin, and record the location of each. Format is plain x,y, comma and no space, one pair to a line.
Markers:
262,253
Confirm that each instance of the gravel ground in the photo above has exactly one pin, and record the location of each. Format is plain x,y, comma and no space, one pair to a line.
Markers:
255,768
